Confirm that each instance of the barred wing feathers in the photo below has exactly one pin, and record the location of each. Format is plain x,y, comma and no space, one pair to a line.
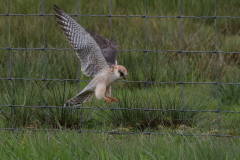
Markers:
87,49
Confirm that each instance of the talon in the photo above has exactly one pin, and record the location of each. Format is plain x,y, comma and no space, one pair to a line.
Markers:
113,99
107,100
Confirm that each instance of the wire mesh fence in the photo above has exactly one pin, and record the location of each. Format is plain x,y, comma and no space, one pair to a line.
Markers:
10,80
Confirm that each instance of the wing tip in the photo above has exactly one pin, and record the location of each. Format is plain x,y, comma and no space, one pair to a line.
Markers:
57,9
55,6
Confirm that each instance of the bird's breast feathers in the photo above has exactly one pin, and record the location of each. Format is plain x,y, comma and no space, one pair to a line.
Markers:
106,77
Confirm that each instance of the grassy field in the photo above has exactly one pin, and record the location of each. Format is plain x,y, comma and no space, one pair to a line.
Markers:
162,34
73,145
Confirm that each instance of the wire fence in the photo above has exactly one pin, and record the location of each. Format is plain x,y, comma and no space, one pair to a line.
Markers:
183,110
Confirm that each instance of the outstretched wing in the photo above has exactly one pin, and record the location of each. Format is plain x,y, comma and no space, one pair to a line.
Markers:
108,47
88,51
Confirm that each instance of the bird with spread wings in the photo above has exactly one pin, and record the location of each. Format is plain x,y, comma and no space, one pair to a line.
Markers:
98,59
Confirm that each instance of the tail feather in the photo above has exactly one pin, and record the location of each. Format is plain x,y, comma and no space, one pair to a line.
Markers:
80,98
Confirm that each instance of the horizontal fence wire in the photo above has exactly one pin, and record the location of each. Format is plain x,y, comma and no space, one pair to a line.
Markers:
126,16
147,82
134,50
129,109
77,80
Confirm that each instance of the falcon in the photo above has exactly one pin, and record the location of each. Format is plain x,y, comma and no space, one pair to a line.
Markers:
98,59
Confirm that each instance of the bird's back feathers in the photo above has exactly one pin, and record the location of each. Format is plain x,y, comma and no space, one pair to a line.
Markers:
108,47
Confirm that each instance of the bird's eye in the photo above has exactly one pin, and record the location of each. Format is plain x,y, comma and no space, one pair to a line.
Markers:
121,74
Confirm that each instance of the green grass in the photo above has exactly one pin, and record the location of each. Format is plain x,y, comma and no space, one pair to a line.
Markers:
73,145
162,34
198,34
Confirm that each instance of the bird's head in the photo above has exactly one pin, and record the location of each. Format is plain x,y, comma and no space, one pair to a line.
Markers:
120,71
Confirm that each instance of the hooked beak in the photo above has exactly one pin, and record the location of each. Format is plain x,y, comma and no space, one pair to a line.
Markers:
124,77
